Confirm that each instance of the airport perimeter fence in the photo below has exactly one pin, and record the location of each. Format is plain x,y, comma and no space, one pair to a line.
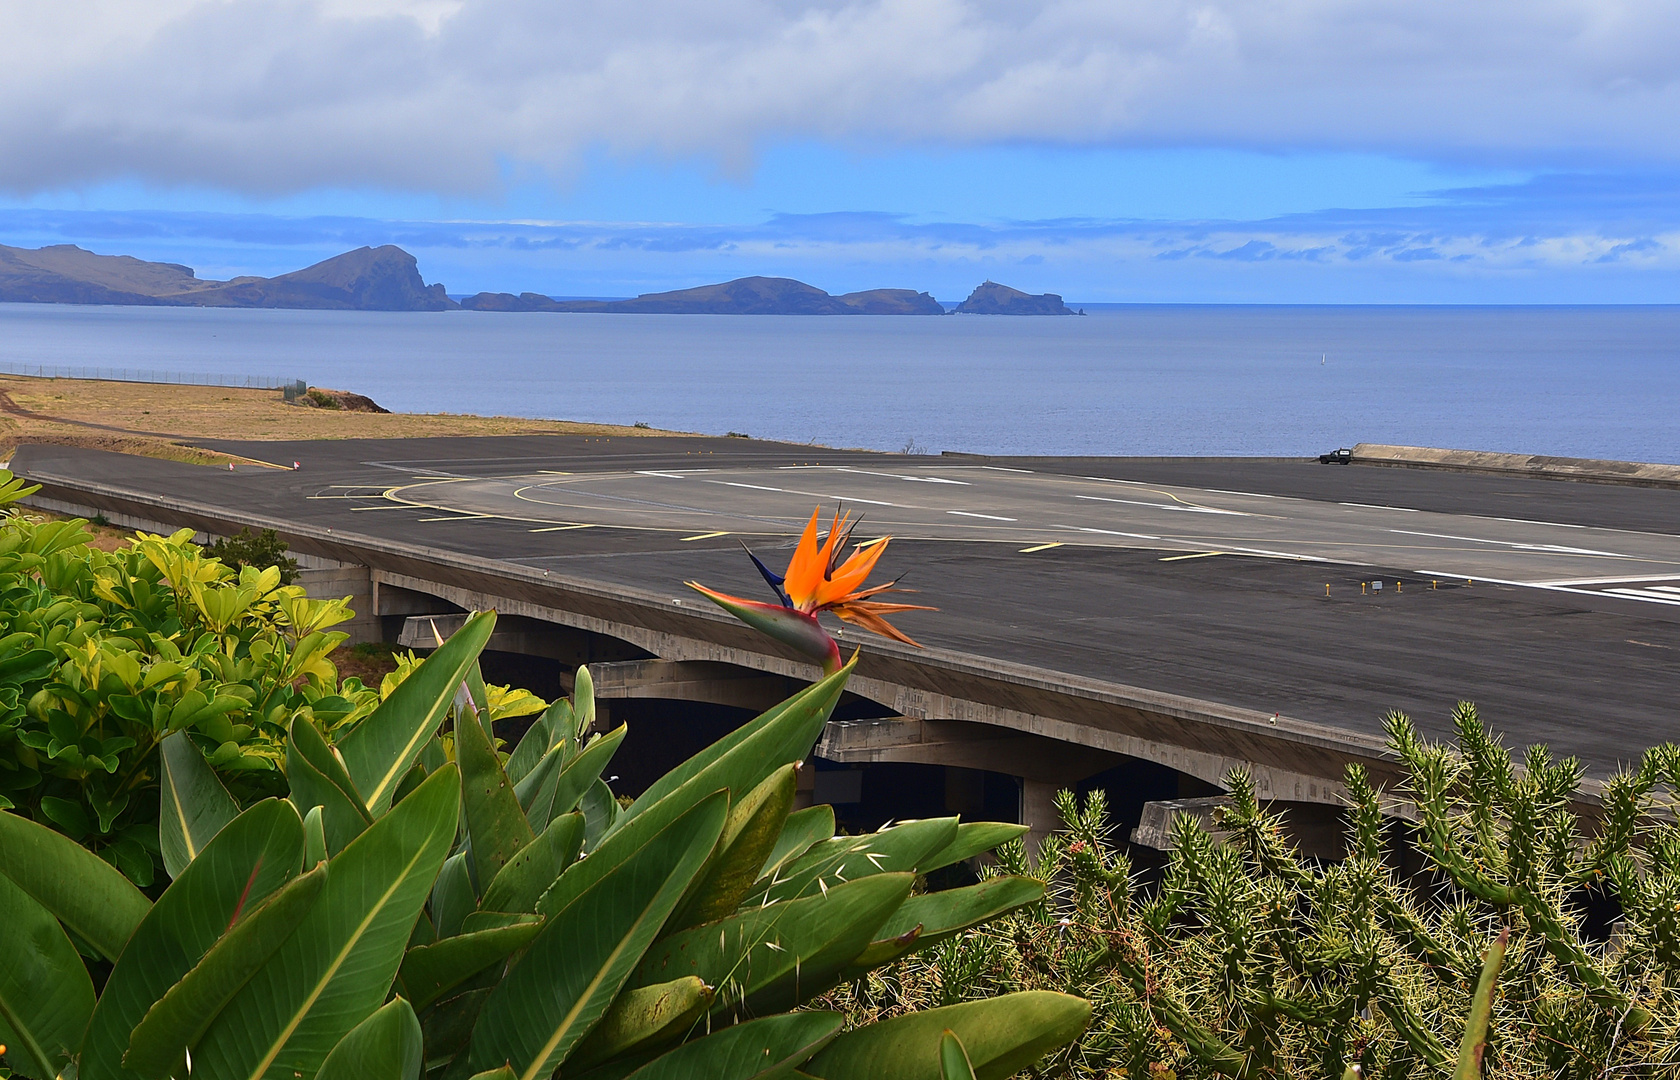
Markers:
291,388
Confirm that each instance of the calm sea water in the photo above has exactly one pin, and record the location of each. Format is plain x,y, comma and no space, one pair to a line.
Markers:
1586,381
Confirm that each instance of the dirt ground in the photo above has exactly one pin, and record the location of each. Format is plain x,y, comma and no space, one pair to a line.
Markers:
163,420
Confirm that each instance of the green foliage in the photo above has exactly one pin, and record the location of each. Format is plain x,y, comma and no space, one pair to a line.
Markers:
105,655
403,913
1450,935
259,551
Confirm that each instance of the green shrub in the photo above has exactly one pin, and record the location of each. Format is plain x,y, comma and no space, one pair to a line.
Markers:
256,550
1247,960
424,904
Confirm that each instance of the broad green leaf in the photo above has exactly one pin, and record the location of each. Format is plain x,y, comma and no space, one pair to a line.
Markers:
448,1025
765,959
933,917
337,967
583,704
899,849
242,865
802,829
554,994
756,1050
385,1046
179,1018
1002,1035
495,920
383,746
317,777
193,804
452,896
644,1018
576,777
528,875
973,838
504,1073
748,835
787,736
600,813
46,996
494,820
430,971
534,780
87,894
744,757
953,1059
314,838
533,746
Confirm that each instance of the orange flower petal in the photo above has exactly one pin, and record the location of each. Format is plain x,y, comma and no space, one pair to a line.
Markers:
805,569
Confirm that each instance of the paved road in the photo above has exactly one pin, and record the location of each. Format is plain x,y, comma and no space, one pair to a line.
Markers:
1584,668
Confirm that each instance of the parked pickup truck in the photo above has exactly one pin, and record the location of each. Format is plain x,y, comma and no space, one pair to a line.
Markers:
1336,457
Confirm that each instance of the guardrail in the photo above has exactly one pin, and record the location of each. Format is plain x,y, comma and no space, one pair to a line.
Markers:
291,387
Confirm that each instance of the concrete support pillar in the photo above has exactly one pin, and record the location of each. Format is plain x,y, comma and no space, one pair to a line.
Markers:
1038,811
337,582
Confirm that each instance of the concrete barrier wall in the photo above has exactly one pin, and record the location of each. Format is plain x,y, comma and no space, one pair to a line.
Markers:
1542,466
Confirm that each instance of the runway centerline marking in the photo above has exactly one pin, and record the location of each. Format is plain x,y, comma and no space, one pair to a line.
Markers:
1374,506
1000,468
900,476
1557,549
666,475
988,517
1109,532
754,487
1193,555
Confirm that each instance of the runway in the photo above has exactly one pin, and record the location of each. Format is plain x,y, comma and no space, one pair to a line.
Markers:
1033,510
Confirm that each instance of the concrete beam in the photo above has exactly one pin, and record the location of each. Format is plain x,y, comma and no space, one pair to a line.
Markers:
963,745
513,634
692,680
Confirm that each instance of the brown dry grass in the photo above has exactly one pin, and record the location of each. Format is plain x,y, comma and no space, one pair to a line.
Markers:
156,420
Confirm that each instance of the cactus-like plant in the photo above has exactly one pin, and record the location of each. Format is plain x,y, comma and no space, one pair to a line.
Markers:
1452,935
422,909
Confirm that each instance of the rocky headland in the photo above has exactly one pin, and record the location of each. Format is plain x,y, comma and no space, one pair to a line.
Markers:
743,296
994,299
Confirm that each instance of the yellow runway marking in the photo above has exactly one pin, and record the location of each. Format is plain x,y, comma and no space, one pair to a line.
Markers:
553,472
1041,547
704,536
1197,555
404,506
562,528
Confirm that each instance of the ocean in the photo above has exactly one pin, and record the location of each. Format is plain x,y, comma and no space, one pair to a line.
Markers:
1131,380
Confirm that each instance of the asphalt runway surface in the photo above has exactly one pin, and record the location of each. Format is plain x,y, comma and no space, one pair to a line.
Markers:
1555,606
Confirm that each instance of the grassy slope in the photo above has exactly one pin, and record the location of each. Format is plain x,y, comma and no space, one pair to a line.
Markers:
163,420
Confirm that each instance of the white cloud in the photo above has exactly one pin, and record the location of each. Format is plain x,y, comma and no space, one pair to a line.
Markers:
275,96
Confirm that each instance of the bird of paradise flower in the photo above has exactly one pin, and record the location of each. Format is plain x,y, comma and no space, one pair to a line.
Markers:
817,581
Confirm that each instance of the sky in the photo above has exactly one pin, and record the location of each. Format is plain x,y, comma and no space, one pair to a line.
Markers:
1178,151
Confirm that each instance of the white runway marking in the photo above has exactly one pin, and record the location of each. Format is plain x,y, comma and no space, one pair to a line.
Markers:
899,476
666,475
1185,508
1109,532
1373,506
988,517
754,487
1558,548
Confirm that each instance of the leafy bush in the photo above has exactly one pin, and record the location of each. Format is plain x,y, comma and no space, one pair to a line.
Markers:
1249,961
524,918
257,550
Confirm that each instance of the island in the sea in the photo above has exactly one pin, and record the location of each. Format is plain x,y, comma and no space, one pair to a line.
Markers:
388,278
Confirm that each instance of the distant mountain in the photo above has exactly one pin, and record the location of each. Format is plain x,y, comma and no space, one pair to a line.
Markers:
367,279
994,299
743,296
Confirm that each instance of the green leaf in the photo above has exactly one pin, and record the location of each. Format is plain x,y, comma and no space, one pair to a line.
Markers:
494,820
179,1018
193,803
504,1073
757,1050
1002,1035
452,896
802,829
973,838
448,1025
430,971
318,778
932,917
899,849
533,747
241,866
45,993
748,835
786,736
559,988
744,757
600,813
86,893
528,875
576,777
765,959
314,838
383,746
337,967
644,1019
953,1059
385,1046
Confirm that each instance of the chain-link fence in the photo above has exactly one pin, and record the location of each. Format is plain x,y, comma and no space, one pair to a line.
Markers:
290,387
